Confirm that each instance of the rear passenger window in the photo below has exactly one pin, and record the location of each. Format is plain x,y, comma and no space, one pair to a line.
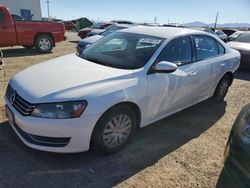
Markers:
221,48
206,47
1,16
177,51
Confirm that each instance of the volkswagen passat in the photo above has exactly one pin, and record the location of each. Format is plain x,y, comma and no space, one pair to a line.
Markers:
128,79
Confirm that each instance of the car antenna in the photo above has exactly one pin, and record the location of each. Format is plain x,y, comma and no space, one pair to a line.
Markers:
2,67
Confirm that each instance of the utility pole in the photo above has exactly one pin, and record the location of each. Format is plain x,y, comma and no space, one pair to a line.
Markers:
155,20
48,1
216,19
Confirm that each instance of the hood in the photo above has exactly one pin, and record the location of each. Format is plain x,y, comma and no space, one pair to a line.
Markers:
64,78
90,40
239,45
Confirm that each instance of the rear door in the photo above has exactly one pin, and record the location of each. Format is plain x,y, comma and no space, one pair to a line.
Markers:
210,63
7,30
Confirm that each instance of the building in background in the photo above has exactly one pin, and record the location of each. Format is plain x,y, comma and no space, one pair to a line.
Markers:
29,9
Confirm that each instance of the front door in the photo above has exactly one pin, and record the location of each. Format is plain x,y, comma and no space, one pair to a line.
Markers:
171,92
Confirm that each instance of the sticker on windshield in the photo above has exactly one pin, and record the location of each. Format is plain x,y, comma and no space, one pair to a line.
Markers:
150,41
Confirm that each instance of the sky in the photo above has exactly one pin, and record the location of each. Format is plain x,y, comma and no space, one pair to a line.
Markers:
166,11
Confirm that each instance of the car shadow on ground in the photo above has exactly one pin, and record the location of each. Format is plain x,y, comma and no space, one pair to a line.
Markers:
21,166
243,74
19,52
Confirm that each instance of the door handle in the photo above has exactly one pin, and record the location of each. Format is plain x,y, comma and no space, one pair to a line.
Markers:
221,65
192,73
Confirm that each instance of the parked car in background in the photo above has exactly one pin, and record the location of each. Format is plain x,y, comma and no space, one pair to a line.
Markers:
237,152
97,26
242,44
129,79
206,30
174,25
92,39
97,31
17,17
69,26
221,35
39,34
122,22
234,36
229,31
169,25
100,31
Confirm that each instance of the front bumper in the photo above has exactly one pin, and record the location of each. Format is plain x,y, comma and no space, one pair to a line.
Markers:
73,134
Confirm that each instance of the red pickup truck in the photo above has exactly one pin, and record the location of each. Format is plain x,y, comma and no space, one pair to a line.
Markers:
39,34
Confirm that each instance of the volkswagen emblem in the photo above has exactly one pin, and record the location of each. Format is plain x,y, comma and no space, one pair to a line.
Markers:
13,97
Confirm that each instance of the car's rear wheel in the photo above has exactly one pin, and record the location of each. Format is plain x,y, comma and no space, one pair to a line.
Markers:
222,88
44,44
114,129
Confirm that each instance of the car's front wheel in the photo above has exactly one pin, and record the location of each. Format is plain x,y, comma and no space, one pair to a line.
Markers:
114,129
222,88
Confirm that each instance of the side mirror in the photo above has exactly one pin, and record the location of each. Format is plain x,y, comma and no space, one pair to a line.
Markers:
164,67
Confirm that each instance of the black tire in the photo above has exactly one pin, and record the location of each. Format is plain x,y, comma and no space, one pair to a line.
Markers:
222,88
44,44
98,142
28,47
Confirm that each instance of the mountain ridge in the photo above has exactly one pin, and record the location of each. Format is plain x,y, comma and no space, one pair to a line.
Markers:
227,25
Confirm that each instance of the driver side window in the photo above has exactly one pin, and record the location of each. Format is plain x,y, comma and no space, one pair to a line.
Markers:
177,51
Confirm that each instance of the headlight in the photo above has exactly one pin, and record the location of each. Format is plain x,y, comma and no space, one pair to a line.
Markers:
243,127
61,110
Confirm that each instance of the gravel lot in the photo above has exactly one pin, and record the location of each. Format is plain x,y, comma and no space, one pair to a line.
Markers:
184,150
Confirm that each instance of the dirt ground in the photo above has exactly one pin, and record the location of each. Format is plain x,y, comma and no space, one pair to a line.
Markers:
184,150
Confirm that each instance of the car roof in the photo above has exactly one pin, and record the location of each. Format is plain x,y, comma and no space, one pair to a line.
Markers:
163,32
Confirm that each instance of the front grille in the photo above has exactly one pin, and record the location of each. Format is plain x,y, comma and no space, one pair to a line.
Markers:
21,105
42,140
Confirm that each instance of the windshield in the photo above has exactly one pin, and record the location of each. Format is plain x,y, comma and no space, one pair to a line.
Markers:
123,50
112,29
245,37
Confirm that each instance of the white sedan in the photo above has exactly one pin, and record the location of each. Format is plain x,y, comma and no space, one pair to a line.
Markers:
128,79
